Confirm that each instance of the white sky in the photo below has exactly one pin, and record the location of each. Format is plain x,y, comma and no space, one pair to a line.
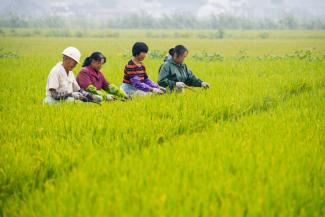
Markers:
200,8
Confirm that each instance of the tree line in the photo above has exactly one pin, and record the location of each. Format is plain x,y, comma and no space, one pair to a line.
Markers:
173,21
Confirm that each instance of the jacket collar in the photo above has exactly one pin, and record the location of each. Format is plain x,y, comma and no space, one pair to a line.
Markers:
172,61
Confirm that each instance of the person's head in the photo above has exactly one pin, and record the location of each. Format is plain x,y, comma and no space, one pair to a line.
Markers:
71,57
140,50
68,63
96,60
179,54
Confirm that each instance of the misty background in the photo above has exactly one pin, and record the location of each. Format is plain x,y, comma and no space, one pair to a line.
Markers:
211,14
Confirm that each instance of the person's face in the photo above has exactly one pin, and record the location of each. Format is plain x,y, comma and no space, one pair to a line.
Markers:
141,56
181,58
97,65
70,63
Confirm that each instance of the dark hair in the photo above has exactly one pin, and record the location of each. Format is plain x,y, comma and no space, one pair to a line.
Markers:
171,51
98,56
138,48
179,50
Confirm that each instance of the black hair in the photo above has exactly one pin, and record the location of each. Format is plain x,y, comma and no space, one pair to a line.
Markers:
180,50
171,51
98,56
138,48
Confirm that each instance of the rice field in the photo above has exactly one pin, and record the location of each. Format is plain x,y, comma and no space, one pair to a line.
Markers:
251,145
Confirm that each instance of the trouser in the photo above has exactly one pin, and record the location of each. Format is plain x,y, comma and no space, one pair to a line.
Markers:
50,100
129,89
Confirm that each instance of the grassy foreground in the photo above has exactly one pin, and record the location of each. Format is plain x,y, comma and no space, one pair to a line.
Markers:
252,145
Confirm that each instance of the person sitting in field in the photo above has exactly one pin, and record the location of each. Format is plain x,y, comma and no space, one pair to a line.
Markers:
175,74
91,79
61,84
136,80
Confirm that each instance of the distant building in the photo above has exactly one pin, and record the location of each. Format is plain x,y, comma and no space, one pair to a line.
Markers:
213,7
61,9
262,9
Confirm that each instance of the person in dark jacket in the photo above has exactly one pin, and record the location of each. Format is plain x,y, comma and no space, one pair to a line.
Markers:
174,73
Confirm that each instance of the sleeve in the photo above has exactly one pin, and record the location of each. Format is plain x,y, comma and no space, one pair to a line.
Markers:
151,83
59,96
163,77
105,83
53,80
192,79
83,79
136,82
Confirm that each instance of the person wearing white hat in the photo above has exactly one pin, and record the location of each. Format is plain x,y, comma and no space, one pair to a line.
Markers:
61,84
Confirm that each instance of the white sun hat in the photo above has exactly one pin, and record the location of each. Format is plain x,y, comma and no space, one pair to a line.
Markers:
73,53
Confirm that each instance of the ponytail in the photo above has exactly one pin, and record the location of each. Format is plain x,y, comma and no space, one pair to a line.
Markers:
171,51
87,62
169,55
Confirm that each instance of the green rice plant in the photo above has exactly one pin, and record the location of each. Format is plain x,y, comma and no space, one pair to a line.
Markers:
251,145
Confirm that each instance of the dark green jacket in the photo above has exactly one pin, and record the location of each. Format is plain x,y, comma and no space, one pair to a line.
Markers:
171,72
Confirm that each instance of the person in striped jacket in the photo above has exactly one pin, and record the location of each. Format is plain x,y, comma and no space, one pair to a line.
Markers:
136,81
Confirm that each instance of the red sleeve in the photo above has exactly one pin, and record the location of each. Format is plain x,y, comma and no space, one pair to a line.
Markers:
105,83
83,79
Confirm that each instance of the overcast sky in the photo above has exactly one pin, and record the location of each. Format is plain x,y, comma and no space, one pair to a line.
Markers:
199,8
